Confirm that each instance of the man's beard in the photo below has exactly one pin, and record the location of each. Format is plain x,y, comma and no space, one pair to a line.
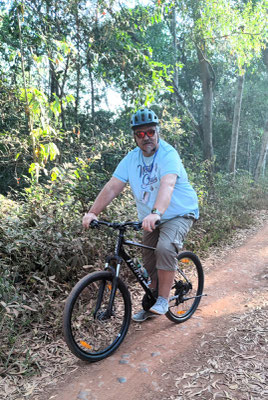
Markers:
154,148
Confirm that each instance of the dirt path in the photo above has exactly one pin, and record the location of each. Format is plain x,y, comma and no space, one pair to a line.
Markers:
197,359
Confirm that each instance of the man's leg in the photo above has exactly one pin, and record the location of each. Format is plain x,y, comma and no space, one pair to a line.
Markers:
149,258
171,236
165,282
162,264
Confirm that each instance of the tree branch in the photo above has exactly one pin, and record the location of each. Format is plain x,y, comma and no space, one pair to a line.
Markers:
197,128
231,34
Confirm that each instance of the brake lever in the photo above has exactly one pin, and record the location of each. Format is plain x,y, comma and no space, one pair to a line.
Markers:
137,227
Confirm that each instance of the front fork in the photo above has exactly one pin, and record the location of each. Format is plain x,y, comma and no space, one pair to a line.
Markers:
113,264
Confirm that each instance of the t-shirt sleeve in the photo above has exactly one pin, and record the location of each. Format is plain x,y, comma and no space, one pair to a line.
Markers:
171,164
122,172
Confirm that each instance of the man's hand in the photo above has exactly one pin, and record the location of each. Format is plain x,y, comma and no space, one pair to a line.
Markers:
148,224
88,218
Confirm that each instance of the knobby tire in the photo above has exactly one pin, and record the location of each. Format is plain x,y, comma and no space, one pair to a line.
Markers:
88,332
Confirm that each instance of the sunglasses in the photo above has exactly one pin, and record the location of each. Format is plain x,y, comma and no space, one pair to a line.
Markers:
149,133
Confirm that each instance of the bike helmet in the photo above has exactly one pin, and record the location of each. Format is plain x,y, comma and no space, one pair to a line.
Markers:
144,116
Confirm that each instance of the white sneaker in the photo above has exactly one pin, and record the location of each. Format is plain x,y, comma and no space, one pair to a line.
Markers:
142,315
160,307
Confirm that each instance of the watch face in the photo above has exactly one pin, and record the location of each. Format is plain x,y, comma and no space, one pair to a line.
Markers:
155,211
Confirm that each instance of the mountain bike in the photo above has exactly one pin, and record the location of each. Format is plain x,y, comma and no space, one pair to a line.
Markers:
97,312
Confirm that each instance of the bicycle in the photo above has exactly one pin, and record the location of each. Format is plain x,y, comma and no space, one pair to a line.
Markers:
97,312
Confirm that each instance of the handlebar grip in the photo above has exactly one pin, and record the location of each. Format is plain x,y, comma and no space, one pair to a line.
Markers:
138,226
94,224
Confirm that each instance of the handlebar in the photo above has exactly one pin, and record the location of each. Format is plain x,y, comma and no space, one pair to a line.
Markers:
136,225
117,225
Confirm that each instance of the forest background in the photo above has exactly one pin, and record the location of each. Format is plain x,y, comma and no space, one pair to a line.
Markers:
201,66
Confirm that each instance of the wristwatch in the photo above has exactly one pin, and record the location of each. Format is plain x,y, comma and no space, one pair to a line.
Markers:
156,211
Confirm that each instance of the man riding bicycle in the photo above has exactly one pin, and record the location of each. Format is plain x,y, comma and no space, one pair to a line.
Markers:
162,193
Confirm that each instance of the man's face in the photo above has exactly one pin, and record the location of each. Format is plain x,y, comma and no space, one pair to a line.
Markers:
147,139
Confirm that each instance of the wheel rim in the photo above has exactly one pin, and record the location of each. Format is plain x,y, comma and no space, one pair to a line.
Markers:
95,333
186,288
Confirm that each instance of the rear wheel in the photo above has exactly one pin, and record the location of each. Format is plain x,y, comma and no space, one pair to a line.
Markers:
187,289
90,332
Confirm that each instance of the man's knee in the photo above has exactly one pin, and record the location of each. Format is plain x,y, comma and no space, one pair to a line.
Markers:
165,253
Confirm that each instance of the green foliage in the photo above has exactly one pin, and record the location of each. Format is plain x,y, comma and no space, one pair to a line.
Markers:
41,113
240,27
226,205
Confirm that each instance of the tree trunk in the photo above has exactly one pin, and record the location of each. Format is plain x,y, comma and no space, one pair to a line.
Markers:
208,79
249,157
27,108
78,63
236,124
175,52
54,84
262,157
195,125
264,146
175,81
63,122
177,95
92,95
77,97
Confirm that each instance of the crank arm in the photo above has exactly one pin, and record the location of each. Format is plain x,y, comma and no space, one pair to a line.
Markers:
194,297
186,298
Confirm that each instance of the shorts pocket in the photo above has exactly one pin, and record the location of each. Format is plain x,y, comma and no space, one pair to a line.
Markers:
184,226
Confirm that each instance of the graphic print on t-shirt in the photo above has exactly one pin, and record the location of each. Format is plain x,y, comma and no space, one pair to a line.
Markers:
148,178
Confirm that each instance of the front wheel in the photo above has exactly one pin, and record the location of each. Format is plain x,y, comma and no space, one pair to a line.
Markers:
90,331
187,289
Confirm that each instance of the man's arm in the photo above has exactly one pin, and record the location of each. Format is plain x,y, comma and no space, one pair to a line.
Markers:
106,195
163,198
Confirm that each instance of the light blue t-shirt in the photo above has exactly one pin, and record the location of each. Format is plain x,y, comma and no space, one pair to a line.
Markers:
144,175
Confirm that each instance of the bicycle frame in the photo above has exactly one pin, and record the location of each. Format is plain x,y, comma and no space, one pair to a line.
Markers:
121,254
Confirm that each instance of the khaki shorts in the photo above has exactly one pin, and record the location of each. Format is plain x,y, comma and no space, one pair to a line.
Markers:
168,239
